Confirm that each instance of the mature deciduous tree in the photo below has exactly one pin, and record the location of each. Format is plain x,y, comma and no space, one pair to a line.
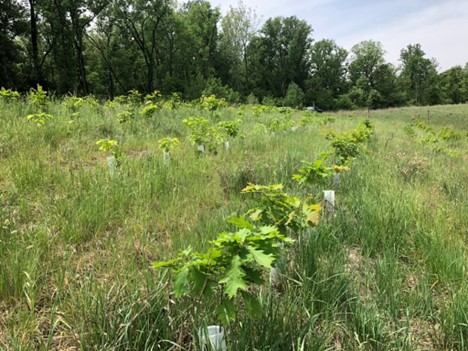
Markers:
454,85
282,54
108,47
372,79
12,25
238,28
142,20
367,57
418,76
328,74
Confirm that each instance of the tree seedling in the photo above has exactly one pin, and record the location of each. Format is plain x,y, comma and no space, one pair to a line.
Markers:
167,144
134,98
9,95
153,97
348,145
336,177
212,103
231,129
40,118
313,173
38,98
150,109
232,264
125,116
109,145
276,207
203,134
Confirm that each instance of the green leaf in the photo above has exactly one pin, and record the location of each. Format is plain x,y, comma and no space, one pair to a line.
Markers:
253,275
288,240
226,311
181,282
252,305
240,222
199,279
234,278
165,264
268,229
312,213
299,178
255,216
242,234
260,257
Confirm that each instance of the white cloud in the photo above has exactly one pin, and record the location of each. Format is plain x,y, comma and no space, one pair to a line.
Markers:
440,29
440,26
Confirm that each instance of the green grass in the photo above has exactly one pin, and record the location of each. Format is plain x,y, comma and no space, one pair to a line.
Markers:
388,271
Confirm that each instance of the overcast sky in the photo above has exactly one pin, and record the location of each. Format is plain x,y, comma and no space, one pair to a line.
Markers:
440,26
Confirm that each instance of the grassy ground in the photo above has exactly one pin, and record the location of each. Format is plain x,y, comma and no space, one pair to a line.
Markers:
387,272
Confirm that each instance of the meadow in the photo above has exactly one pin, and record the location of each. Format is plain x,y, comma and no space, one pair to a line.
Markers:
385,270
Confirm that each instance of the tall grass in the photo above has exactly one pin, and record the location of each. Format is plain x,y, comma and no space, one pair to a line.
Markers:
386,271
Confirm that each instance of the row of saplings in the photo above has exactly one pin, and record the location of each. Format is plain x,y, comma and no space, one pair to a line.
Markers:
237,261
207,137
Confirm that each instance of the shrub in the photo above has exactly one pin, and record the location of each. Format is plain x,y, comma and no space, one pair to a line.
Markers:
294,96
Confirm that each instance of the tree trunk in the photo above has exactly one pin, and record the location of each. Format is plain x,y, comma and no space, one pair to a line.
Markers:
34,44
81,63
111,87
78,29
150,68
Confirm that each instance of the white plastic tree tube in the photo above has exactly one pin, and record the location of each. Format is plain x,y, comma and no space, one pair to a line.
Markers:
112,164
212,335
328,200
336,180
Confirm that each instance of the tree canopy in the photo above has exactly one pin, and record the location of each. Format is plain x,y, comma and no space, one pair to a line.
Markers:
108,47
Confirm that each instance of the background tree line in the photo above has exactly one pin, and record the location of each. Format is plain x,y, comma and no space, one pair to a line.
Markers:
108,47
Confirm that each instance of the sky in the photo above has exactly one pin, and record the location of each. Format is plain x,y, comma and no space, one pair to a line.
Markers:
440,26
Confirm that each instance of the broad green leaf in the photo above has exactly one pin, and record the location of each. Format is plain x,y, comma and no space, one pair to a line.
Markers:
268,230
165,264
212,254
293,201
186,252
242,234
253,188
199,279
226,312
325,155
252,305
312,213
253,276
234,278
181,282
299,178
240,222
260,257
250,187
255,216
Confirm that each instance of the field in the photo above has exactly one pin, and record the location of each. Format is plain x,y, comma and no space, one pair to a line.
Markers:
387,270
